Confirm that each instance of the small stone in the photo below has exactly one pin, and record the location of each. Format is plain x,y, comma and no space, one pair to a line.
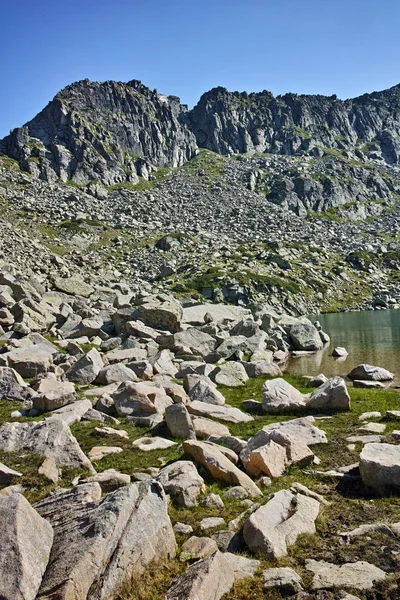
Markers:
107,431
183,528
373,427
213,500
211,522
369,415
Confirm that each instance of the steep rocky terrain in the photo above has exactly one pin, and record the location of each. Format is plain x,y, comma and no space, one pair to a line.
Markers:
156,265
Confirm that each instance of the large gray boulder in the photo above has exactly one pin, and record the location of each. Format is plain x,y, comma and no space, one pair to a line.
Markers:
86,368
51,438
179,422
140,399
380,466
280,397
57,394
203,391
182,481
272,528
116,372
161,312
12,385
26,540
207,579
366,372
305,336
29,361
101,544
231,374
195,341
330,396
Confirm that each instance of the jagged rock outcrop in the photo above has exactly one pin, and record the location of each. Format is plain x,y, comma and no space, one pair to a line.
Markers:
231,122
108,132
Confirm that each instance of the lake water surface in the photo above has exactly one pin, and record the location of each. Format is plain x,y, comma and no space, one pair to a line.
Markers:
371,337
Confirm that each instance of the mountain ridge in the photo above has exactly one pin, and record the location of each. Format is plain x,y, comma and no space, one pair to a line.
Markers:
111,132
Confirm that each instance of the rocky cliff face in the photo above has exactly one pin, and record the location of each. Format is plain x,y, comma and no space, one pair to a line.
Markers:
108,132
227,122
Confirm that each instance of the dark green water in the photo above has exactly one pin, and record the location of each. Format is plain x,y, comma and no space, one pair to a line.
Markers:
371,337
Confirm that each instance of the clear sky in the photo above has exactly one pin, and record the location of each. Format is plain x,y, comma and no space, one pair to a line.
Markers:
186,47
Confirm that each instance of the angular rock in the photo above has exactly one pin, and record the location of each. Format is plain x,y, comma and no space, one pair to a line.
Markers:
179,422
242,566
219,465
302,429
86,368
231,374
305,336
58,395
109,480
99,545
196,548
140,399
72,413
275,526
283,578
366,372
207,579
380,466
207,427
26,540
279,397
30,362
204,392
51,438
116,372
182,481
331,396
161,312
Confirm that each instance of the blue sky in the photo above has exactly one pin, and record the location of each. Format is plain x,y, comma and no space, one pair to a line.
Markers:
184,48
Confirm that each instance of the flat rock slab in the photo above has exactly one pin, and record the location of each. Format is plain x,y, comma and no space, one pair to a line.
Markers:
51,438
370,415
224,413
393,415
380,466
26,540
359,575
156,443
99,452
373,427
207,579
272,528
100,544
211,522
364,439
368,385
